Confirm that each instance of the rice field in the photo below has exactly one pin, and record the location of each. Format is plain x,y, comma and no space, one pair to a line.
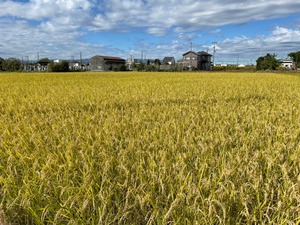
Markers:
149,148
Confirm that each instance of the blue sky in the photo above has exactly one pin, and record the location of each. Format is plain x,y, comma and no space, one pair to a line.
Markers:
61,29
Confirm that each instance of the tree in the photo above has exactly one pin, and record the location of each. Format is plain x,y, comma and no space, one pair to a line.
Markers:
1,62
296,58
123,68
157,62
11,64
44,61
267,62
62,66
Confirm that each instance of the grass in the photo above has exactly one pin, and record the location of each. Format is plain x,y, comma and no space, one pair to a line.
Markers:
150,148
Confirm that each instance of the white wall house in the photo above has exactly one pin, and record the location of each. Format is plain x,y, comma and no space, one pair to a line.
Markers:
287,63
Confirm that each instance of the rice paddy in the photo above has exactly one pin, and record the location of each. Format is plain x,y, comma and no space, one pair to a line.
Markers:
149,148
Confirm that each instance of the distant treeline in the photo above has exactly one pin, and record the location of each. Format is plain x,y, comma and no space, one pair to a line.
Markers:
267,62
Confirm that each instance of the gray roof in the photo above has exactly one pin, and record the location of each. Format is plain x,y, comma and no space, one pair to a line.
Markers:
202,53
168,59
113,58
190,52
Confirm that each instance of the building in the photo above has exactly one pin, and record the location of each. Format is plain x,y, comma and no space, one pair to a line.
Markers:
189,60
204,60
43,65
287,63
169,61
104,63
195,60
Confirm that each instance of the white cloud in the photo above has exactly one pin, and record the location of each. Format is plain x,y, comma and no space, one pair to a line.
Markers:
188,36
22,39
283,34
100,23
280,41
39,9
190,15
156,31
56,27
216,31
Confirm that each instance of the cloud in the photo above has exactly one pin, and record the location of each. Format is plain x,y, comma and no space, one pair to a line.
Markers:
156,31
188,36
283,34
280,41
190,15
57,27
20,39
156,18
43,9
216,31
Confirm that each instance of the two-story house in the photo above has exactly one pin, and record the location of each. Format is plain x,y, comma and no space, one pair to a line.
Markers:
196,60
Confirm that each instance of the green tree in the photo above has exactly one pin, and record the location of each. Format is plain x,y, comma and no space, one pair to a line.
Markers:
268,62
1,62
11,64
157,62
140,66
44,61
123,68
296,57
62,66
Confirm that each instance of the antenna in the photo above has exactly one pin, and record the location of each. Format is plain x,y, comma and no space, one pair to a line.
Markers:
191,46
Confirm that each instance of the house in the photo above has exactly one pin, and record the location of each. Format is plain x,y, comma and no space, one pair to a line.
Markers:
169,61
103,63
79,65
204,60
42,65
195,60
189,60
287,63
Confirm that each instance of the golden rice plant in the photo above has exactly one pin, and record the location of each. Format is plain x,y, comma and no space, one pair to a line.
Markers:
150,148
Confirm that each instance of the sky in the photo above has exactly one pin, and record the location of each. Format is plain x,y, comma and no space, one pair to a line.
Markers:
62,29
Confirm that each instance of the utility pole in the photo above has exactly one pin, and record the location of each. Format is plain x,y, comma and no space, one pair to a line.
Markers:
72,64
214,52
191,49
36,66
27,63
80,61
